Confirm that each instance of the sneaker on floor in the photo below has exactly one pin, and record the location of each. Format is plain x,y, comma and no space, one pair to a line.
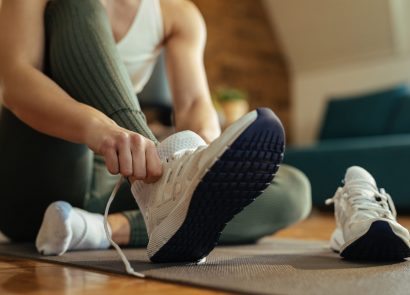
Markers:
203,187
366,225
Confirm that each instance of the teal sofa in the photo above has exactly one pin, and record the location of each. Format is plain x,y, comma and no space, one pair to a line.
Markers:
372,131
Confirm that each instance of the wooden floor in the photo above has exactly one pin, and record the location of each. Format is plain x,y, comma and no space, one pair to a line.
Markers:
18,276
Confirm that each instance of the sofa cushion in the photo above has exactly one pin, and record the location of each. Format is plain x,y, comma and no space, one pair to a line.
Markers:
363,115
400,122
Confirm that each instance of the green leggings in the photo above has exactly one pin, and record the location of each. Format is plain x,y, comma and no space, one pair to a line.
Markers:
81,56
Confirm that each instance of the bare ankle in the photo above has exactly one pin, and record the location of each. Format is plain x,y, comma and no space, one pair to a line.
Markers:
120,228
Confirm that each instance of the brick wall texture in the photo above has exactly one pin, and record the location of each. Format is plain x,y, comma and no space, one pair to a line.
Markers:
243,52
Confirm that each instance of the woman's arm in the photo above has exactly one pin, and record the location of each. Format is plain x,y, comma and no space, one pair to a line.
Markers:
184,51
44,106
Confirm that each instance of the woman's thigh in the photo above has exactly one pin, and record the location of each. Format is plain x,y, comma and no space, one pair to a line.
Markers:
36,170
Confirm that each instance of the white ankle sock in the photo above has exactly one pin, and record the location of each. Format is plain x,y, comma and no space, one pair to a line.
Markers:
66,228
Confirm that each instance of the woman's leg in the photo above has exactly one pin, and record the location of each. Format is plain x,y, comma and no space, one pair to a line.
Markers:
286,201
83,59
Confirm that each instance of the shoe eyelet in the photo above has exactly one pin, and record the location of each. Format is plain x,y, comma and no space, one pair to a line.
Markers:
169,176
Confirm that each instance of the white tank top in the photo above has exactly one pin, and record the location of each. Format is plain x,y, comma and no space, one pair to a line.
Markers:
140,47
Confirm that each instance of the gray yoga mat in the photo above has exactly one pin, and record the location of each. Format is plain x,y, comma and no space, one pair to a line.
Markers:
273,266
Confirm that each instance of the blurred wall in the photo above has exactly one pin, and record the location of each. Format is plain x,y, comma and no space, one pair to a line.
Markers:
242,51
337,48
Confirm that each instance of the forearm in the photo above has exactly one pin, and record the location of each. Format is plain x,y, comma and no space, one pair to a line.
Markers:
200,117
44,106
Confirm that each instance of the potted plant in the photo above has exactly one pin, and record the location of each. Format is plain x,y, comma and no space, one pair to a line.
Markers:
233,102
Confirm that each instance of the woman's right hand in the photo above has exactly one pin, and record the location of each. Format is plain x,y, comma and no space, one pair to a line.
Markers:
125,152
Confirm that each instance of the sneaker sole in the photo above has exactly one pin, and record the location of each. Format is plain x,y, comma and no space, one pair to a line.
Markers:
235,180
379,243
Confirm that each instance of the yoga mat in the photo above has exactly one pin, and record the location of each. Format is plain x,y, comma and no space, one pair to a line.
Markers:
273,266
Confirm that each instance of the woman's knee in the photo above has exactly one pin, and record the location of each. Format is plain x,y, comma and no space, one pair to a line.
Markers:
292,191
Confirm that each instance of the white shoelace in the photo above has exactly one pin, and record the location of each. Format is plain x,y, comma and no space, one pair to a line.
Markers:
379,202
124,259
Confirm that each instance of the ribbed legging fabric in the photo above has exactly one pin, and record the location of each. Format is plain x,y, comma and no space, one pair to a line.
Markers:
36,169
84,61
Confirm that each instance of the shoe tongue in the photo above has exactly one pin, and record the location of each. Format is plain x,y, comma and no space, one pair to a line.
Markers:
179,141
358,173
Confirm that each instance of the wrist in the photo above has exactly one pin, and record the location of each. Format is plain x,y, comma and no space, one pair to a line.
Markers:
94,129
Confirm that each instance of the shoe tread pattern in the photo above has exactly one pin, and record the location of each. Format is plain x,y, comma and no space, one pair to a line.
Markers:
235,180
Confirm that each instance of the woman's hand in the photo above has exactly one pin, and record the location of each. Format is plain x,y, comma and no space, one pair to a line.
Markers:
125,152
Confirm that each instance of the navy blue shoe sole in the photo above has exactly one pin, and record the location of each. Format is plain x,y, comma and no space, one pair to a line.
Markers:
234,181
380,243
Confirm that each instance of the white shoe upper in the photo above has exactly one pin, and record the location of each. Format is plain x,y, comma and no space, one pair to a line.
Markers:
186,159
178,153
357,205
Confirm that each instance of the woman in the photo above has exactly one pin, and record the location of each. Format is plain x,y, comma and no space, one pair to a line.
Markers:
69,72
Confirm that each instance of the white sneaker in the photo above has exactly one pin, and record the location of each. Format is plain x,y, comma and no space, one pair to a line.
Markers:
366,225
203,187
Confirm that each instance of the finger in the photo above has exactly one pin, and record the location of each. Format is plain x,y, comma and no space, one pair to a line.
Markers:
124,154
111,161
153,162
138,156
